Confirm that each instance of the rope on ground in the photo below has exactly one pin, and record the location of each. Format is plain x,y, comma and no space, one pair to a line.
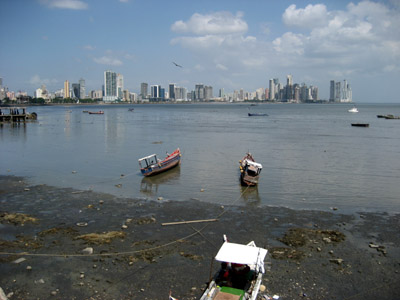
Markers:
124,252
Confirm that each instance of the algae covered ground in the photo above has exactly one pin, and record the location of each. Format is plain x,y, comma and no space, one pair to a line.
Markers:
59,243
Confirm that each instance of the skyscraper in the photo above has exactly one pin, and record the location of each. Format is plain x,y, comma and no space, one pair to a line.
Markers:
171,91
338,91
75,90
82,89
199,92
332,91
120,85
144,90
110,86
154,91
271,90
66,89
208,92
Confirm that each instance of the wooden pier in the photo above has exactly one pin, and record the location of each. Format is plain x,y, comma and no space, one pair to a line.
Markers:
15,114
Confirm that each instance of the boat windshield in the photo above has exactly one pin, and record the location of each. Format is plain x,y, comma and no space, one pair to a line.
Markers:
148,161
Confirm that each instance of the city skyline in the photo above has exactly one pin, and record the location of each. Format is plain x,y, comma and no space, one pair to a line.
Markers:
113,91
230,45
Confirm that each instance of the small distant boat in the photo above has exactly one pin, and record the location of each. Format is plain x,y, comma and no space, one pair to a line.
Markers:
150,165
85,111
240,274
131,109
353,110
391,117
257,114
249,170
100,112
360,124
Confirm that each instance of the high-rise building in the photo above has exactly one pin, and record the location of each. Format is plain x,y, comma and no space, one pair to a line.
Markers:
180,94
271,90
221,93
66,89
155,92
346,92
208,92
76,90
199,92
171,91
338,92
82,89
332,91
120,86
144,90
110,86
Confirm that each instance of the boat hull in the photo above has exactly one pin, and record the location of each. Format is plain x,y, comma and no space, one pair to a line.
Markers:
247,180
257,115
360,124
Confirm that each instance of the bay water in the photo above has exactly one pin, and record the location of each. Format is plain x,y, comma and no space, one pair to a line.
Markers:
311,155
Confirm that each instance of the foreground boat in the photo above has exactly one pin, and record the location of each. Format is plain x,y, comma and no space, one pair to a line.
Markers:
240,275
249,170
100,112
151,165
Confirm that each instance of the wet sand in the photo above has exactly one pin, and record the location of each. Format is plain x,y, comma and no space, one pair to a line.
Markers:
312,254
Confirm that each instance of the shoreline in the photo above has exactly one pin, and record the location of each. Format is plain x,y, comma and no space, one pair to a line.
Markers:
145,260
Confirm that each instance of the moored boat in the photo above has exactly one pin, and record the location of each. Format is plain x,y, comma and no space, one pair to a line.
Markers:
353,110
249,170
360,124
100,112
240,275
151,165
391,117
257,114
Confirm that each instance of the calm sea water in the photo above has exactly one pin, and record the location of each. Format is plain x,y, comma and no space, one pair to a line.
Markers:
311,155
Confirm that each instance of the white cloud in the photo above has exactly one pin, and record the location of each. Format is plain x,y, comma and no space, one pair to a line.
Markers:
212,24
290,43
65,4
361,39
309,17
108,60
89,47
221,67
35,80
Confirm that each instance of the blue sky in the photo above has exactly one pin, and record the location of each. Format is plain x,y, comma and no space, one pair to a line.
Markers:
230,44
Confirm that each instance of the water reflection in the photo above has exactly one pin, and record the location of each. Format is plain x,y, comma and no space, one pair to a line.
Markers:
250,194
149,185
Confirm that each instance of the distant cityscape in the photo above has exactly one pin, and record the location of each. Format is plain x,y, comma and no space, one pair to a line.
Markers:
113,91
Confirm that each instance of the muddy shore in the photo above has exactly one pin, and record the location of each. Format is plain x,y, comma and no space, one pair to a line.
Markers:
87,245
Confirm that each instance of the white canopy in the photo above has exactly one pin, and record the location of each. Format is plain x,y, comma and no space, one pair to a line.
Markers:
147,157
252,163
243,254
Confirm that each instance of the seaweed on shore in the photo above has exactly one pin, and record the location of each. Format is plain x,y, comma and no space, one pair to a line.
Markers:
101,238
17,218
299,237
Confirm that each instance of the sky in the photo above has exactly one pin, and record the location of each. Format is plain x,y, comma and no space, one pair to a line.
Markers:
230,44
